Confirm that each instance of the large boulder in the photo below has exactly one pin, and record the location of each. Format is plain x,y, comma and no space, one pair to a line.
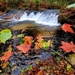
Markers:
67,15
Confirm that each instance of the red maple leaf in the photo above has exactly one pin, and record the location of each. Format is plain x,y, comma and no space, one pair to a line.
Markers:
6,56
25,47
67,28
68,46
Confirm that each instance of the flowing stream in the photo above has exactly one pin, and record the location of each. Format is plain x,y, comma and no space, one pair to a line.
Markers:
47,17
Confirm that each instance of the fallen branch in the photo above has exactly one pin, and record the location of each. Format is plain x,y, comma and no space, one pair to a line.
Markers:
62,57
51,50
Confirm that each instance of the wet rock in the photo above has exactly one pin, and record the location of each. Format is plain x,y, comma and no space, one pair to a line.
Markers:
12,15
72,59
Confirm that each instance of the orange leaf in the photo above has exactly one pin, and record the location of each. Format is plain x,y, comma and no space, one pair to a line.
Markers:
4,65
67,28
25,47
68,46
40,72
28,40
39,37
38,43
6,56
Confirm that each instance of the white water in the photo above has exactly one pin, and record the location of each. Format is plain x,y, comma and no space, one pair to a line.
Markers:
48,17
45,18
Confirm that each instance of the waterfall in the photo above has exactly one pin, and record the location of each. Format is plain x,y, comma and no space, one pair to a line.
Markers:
48,17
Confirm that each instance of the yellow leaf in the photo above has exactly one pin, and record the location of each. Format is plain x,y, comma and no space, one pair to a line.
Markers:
0,70
49,43
14,68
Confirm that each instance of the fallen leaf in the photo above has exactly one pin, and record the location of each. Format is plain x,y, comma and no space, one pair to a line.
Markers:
28,40
25,47
14,68
47,44
38,43
4,65
39,37
68,46
7,54
41,43
5,35
40,72
67,28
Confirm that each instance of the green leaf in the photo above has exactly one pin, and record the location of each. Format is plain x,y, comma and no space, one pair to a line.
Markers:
5,35
29,67
36,62
45,44
20,35
22,41
69,67
22,70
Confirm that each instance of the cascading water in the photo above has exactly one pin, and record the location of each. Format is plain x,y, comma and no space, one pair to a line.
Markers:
48,17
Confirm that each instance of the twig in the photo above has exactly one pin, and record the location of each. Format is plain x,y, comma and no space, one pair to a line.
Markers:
62,57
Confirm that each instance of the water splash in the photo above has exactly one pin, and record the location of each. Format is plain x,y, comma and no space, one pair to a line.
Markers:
46,18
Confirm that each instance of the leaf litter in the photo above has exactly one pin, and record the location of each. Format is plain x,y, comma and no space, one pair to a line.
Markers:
31,51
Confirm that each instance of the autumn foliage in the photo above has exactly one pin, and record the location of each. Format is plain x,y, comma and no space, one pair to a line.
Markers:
7,55
68,47
25,47
38,43
67,28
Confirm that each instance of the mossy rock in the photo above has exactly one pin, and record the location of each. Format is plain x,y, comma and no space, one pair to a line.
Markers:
67,15
72,59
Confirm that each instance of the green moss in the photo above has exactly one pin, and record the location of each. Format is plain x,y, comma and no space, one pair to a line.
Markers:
35,3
